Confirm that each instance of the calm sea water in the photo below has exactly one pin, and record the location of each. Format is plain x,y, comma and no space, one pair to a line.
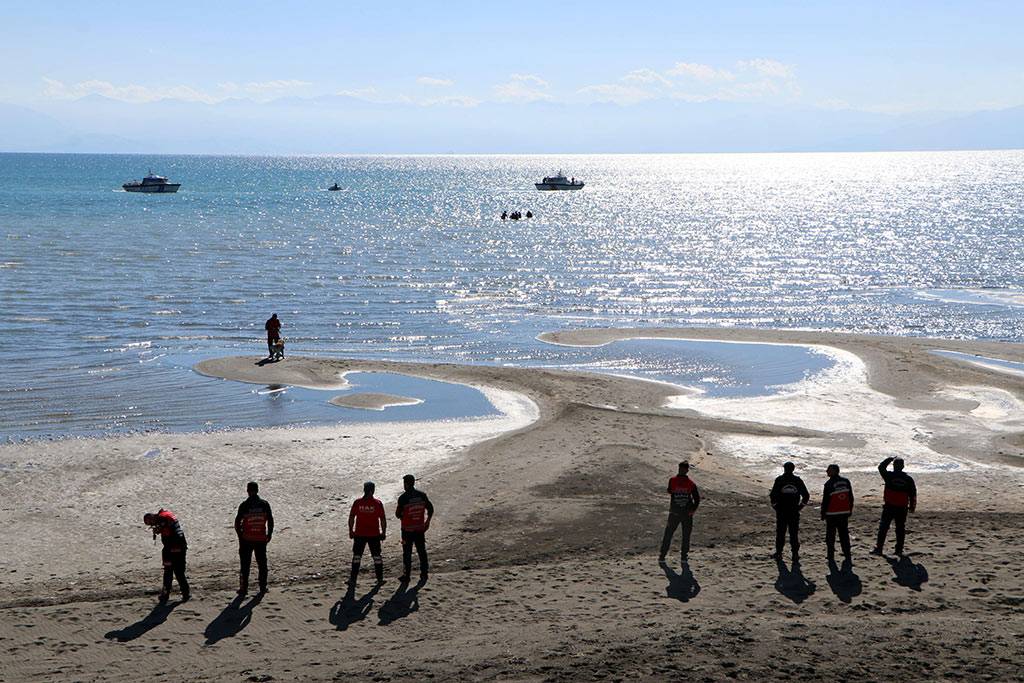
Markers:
110,297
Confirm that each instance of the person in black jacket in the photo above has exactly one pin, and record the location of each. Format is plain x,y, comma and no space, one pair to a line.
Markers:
899,497
788,497
254,524
416,511
836,509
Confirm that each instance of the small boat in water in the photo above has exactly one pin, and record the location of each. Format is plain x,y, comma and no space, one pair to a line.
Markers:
334,188
151,183
559,182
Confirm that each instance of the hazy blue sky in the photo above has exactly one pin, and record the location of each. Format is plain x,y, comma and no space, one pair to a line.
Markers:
875,56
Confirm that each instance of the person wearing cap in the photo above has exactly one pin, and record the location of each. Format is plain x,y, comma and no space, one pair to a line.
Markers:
788,497
898,498
685,498
367,526
836,509
416,512
165,524
254,526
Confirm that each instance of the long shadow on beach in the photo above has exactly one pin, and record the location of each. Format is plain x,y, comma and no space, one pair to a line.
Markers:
348,610
907,572
233,619
681,586
156,617
404,602
843,581
792,583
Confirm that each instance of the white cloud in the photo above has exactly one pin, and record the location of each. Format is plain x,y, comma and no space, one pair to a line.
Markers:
138,94
264,88
435,82
451,101
522,88
700,72
617,93
531,79
768,68
646,76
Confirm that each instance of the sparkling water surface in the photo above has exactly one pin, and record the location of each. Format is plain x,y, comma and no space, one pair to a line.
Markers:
109,297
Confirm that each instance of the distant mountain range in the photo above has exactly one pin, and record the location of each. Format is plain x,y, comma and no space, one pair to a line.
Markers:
344,124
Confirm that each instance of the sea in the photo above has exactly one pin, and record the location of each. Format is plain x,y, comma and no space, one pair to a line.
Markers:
109,298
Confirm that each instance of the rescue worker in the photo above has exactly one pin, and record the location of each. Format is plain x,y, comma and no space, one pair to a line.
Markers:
254,524
273,328
416,511
165,524
899,497
836,509
367,526
685,498
788,497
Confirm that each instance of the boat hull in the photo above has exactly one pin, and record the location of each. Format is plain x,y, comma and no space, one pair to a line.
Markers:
153,189
549,187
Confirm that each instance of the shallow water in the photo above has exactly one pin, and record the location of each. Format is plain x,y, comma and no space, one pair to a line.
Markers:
1008,366
108,295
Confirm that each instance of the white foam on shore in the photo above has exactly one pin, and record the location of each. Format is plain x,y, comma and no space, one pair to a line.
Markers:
861,425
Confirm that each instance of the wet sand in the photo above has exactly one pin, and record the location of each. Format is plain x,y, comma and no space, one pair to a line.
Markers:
544,550
371,401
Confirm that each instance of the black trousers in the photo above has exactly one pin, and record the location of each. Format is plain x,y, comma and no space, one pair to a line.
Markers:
837,524
676,519
359,544
246,549
409,539
174,567
890,514
787,521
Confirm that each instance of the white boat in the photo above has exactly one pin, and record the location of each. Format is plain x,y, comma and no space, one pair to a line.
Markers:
559,182
151,183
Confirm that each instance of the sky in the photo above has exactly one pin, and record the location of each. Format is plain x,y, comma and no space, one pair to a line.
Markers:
893,58
875,56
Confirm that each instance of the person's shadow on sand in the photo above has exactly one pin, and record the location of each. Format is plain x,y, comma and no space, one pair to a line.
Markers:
267,361
792,583
156,617
681,586
907,572
233,619
843,581
404,602
348,610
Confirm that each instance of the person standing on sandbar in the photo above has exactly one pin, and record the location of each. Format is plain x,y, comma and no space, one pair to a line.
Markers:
415,510
367,526
789,496
254,524
684,502
898,498
836,509
273,328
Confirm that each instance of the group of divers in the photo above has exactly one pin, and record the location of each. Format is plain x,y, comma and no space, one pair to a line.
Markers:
367,524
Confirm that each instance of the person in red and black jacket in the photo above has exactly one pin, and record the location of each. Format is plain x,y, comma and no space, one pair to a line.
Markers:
685,498
165,524
899,497
254,524
416,511
836,509
367,526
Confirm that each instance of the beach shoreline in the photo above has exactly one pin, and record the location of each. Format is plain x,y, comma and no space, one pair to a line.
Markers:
548,515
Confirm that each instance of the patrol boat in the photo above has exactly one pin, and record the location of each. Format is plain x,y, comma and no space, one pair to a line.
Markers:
151,183
559,182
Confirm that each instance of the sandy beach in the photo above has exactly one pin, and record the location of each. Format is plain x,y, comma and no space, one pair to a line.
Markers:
549,514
